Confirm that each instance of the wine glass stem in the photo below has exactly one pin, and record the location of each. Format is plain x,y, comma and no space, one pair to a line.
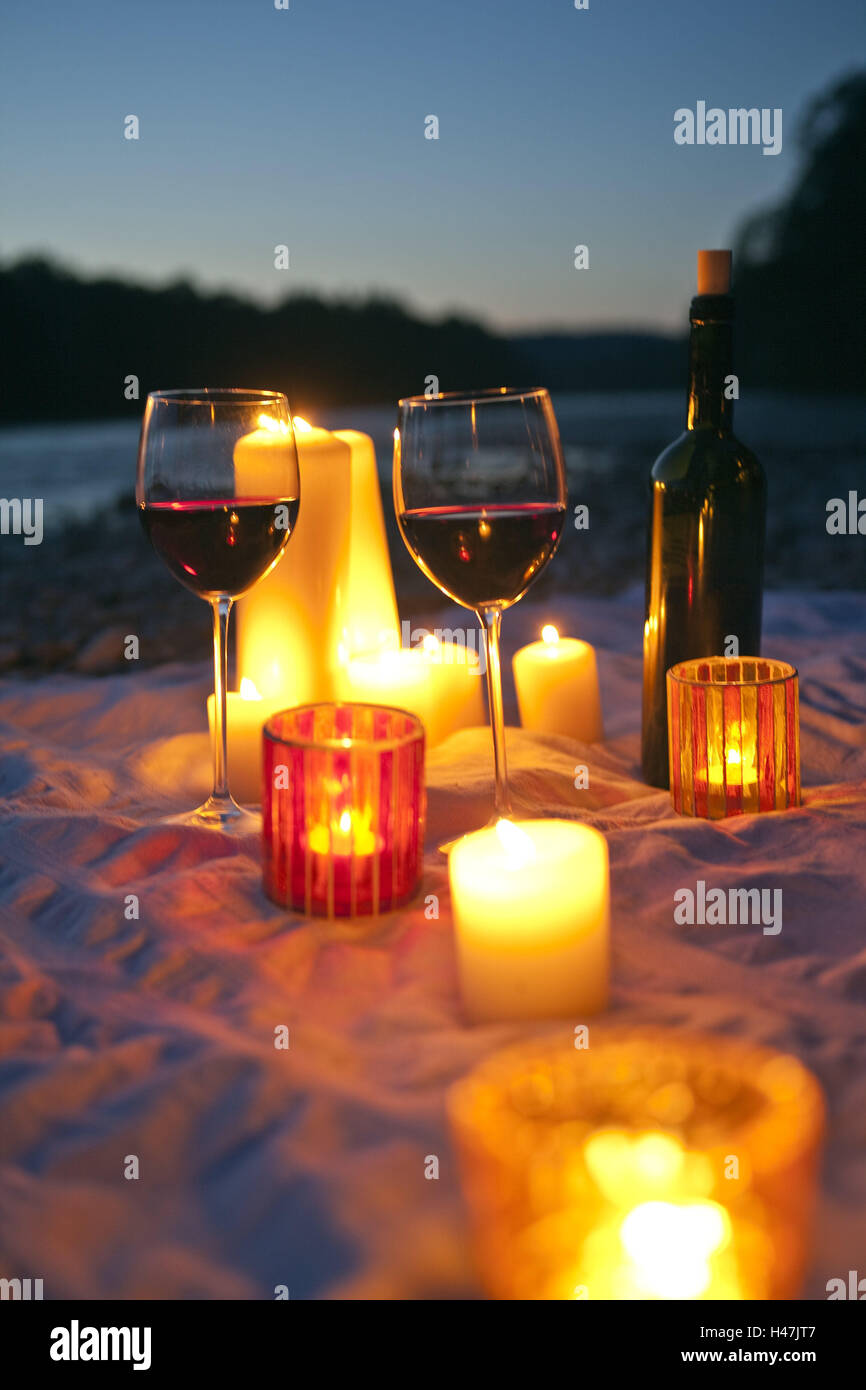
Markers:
221,609
491,619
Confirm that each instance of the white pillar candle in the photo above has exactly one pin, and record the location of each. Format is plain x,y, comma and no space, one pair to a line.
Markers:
246,714
440,682
332,591
531,904
557,687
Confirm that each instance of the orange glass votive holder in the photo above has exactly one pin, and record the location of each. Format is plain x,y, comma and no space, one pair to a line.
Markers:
343,808
733,736
648,1165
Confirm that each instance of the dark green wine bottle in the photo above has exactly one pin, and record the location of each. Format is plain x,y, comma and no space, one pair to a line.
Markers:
705,558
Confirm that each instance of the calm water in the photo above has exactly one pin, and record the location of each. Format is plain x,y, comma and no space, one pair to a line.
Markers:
79,468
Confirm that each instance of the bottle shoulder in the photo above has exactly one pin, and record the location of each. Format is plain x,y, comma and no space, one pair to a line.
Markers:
703,456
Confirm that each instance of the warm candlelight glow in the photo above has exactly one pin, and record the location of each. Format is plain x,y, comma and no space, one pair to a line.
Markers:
663,1218
348,834
247,711
333,587
440,682
647,1165
531,904
267,422
557,687
516,843
733,736
343,808
629,1168
670,1246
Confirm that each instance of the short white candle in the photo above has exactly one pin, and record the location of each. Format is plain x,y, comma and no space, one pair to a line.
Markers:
557,687
440,682
246,715
531,904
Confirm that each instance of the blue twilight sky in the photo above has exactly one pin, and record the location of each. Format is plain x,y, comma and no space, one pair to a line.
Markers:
306,127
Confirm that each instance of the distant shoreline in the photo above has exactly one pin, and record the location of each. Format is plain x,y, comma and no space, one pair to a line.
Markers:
68,602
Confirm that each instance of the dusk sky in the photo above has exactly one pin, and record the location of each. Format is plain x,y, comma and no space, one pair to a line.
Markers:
306,127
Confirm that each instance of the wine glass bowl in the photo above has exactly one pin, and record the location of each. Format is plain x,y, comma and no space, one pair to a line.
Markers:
480,497
218,492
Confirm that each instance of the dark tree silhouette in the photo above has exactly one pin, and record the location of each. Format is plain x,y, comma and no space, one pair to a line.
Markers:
68,343
800,266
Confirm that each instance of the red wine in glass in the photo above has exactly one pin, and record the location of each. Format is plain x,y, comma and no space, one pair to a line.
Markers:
219,547
218,487
480,498
483,555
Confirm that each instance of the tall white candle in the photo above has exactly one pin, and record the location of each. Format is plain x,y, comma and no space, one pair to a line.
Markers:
531,904
557,687
332,591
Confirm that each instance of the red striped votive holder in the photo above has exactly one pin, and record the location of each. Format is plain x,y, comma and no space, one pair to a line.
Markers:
343,808
733,736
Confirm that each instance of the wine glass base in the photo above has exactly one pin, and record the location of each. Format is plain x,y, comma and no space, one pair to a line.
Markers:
220,813
516,813
446,846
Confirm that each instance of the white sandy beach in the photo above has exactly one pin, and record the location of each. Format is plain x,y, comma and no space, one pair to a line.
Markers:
305,1167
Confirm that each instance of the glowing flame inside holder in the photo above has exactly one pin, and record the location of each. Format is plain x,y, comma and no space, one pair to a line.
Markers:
670,1246
350,833
644,1206
343,808
733,734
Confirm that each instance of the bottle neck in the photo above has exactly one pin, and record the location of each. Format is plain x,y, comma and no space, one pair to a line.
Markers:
710,402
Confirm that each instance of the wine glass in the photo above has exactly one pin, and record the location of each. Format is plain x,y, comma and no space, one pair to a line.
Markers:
218,490
480,497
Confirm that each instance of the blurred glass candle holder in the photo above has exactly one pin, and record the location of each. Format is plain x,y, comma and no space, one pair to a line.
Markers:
343,808
733,736
649,1165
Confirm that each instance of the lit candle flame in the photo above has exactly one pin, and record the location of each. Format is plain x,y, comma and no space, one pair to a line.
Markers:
516,843
670,1245
350,833
301,425
267,422
248,689
549,634
628,1168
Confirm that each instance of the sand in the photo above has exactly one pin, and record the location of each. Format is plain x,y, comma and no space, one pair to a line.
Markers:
153,1036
